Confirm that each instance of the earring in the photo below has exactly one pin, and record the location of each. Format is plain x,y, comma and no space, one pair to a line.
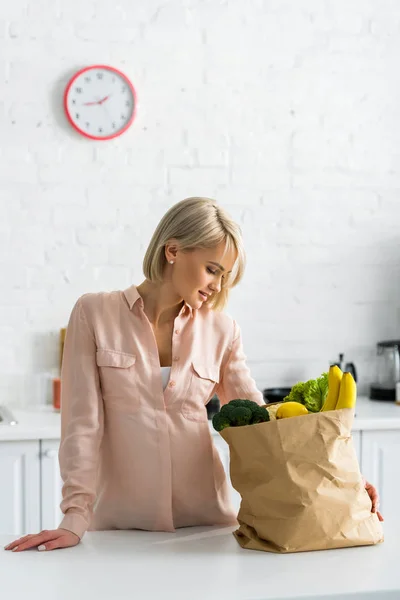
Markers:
171,262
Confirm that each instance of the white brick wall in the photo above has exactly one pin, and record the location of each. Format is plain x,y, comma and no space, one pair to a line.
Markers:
286,112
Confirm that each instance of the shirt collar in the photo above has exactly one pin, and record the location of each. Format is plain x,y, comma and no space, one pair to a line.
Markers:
132,296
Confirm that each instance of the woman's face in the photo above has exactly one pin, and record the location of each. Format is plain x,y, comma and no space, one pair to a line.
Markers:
200,270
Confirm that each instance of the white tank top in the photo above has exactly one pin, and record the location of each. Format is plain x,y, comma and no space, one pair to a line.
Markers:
165,371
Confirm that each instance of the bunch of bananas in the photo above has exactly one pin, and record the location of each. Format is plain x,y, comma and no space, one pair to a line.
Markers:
342,393
342,390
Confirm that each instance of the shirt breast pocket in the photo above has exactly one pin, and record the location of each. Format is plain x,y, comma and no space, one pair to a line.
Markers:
118,379
203,377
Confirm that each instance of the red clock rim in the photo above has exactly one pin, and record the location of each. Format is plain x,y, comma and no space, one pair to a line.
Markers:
67,112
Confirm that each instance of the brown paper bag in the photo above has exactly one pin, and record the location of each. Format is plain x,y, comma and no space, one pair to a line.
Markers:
300,484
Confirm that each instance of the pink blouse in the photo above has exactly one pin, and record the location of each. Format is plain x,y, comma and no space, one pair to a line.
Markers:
132,455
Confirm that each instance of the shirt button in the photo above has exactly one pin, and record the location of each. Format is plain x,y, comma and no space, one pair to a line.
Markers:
171,383
176,331
176,358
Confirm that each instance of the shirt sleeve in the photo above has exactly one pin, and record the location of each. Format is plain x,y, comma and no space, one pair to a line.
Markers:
82,423
236,380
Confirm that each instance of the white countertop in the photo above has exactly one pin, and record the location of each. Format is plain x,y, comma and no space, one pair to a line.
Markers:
197,563
37,423
44,422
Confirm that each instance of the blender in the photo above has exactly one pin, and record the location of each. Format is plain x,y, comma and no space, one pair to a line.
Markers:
388,371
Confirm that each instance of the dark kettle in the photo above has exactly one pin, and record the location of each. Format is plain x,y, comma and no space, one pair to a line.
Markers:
350,367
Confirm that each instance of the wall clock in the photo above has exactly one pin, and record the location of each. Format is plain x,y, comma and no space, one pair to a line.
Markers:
100,102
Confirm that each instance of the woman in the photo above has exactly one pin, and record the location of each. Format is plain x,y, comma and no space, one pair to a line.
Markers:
139,366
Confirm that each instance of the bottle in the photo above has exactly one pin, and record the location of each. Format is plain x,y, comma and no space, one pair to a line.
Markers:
398,393
63,331
57,380
56,393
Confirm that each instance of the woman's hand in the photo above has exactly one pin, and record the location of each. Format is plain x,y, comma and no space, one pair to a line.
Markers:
45,540
373,494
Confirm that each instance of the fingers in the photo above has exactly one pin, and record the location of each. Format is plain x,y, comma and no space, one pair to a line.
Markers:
33,540
375,507
373,494
18,541
375,502
61,542
374,497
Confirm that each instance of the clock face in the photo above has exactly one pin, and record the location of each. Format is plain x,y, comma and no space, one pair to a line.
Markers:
100,102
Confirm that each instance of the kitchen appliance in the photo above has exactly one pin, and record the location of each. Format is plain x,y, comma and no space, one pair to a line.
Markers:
388,371
276,394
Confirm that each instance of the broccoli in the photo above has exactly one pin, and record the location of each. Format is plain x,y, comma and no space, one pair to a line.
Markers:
259,415
220,422
239,412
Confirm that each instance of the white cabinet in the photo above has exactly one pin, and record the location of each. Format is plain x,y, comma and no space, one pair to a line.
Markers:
380,466
20,487
51,485
30,486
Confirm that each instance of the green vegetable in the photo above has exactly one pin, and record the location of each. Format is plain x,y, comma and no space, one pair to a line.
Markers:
239,412
311,393
220,422
296,393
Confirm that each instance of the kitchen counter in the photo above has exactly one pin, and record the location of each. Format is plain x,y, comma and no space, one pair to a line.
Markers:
37,423
44,422
197,563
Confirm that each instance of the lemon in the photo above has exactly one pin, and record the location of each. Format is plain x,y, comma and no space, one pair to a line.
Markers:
291,409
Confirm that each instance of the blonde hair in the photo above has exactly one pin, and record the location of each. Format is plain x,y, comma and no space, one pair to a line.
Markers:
197,223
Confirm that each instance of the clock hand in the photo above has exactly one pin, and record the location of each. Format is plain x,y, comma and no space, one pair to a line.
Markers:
91,103
104,99
107,113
